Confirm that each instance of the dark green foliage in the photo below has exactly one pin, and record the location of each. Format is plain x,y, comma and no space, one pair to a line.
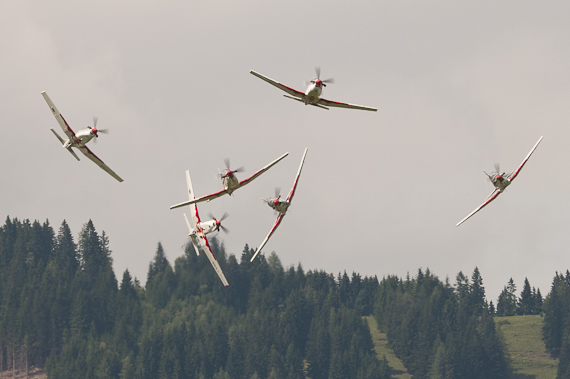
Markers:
556,327
526,304
61,307
440,331
557,314
507,302
529,302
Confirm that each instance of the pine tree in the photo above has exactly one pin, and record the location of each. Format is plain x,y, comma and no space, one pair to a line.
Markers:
526,301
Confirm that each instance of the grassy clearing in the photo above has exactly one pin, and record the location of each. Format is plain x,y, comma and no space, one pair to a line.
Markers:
382,349
523,337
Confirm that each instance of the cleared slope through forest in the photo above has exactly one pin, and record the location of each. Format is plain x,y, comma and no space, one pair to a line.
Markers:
382,349
523,336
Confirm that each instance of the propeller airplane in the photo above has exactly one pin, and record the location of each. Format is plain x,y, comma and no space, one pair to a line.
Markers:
501,182
80,139
280,206
198,230
312,95
229,181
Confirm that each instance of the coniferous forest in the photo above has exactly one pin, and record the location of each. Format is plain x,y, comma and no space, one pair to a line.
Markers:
63,309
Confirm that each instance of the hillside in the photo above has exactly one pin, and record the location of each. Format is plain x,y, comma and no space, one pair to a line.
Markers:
523,337
383,350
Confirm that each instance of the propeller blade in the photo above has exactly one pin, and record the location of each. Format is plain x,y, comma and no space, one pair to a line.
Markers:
227,162
95,118
318,71
224,216
277,192
104,131
497,168
329,80
239,169
224,229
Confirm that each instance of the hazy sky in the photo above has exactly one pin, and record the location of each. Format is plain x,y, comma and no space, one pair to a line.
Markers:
459,86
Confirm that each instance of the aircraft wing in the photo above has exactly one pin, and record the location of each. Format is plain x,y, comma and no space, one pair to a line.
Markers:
282,87
490,198
516,172
290,197
66,129
246,181
200,199
331,103
267,238
193,207
206,247
89,154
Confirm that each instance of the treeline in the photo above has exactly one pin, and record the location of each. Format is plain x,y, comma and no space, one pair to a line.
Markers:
441,331
61,305
62,308
508,304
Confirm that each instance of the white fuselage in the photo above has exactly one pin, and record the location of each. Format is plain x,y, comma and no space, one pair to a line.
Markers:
280,206
313,92
81,138
206,227
230,182
500,181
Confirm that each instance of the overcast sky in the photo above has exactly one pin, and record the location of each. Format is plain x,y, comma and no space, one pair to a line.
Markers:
459,86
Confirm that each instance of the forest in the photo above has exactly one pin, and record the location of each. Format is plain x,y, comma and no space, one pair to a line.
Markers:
63,309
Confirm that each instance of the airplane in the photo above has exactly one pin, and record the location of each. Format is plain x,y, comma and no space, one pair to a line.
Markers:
312,95
501,182
199,230
280,206
80,139
230,182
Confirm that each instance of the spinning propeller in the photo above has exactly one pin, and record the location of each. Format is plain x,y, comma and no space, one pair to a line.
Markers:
219,222
499,176
277,197
228,170
96,131
318,71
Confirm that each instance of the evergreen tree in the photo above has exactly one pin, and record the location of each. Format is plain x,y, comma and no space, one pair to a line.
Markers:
526,301
507,302
556,310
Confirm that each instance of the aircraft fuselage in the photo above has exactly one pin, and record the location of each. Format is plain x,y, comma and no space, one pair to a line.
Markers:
280,206
230,182
206,227
313,92
81,138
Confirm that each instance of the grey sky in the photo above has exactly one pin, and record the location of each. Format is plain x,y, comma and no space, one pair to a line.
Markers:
459,86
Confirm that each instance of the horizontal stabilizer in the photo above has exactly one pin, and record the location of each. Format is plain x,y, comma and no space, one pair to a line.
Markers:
58,137
72,153
294,98
63,142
